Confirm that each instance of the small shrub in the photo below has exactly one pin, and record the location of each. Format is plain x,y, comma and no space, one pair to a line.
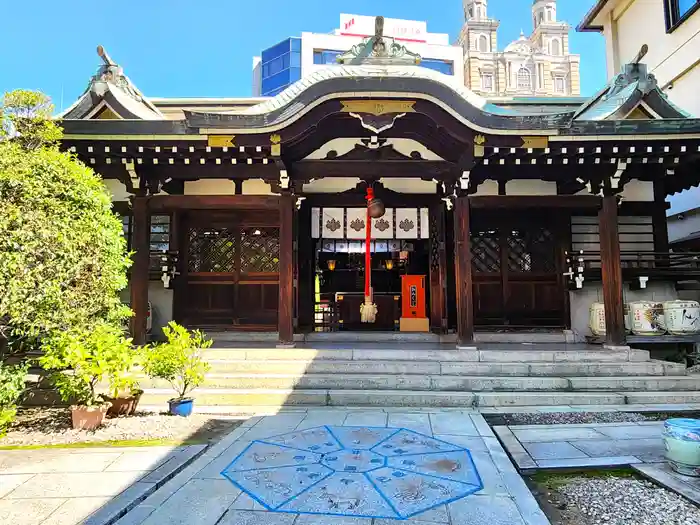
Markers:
179,360
83,358
12,385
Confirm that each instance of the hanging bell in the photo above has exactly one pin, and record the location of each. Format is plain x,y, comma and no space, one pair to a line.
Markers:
376,208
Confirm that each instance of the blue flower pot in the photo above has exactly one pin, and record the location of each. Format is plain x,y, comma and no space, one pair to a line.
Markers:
181,407
682,442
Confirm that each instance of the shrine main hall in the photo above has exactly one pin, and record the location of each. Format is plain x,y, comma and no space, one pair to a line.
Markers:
251,215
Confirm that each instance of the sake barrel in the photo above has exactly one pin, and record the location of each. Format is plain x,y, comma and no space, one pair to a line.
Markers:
682,317
647,318
682,442
596,321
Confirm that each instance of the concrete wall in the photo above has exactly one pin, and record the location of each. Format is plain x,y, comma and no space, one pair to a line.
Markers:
581,300
672,57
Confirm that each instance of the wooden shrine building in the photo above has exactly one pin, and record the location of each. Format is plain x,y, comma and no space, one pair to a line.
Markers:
249,214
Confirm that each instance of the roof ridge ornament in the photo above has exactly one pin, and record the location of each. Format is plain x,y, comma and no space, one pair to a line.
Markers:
113,73
379,50
634,71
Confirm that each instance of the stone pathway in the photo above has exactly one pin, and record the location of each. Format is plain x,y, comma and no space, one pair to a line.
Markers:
83,485
348,447
639,445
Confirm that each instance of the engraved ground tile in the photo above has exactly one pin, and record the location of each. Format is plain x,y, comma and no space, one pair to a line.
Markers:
361,472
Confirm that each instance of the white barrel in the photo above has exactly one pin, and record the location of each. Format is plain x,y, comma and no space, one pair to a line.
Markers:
682,317
596,320
647,318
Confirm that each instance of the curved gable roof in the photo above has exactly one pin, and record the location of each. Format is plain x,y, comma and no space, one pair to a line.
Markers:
365,81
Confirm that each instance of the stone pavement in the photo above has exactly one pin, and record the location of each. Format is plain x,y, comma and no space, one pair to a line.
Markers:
66,486
534,447
429,487
639,445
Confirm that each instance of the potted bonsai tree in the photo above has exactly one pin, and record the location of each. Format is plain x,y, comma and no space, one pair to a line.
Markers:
80,359
124,392
179,361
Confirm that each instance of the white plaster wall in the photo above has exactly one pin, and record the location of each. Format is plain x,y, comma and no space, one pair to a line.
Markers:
331,185
531,187
488,187
409,185
210,187
161,303
633,23
312,41
581,301
256,187
638,190
117,189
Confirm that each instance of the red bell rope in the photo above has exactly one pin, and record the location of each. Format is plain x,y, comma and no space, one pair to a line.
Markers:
368,239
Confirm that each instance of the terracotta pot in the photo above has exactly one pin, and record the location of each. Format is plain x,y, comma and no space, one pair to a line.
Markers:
123,406
88,418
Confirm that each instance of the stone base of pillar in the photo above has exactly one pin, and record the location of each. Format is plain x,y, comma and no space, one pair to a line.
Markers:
616,347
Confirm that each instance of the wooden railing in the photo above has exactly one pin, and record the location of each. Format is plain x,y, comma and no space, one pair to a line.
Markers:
675,266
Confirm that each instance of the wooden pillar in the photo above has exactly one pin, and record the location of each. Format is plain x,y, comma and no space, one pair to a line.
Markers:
463,273
612,273
286,262
438,269
139,271
659,224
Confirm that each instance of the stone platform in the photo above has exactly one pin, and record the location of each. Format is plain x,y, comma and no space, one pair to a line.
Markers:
348,467
423,374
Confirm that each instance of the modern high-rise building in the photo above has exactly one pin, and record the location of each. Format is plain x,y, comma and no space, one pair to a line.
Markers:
535,65
290,60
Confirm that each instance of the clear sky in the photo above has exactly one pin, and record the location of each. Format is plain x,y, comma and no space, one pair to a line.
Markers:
204,48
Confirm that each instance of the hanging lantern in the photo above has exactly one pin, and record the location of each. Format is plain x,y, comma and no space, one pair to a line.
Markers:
390,264
331,265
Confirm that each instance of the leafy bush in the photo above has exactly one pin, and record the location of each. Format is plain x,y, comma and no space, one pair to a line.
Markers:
12,381
83,358
179,360
63,256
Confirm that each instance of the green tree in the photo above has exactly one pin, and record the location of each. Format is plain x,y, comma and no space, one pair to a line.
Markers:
62,254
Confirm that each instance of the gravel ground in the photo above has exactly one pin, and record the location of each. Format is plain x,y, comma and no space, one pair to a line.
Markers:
622,501
42,426
569,418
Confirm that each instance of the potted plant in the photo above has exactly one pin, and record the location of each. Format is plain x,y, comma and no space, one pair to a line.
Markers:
179,361
80,359
124,392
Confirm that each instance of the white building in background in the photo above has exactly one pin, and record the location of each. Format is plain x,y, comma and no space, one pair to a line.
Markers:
290,60
671,29
538,65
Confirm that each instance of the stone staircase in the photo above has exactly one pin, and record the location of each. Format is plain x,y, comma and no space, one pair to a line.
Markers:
424,375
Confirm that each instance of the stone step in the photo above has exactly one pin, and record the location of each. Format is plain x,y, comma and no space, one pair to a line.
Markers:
392,398
409,354
456,368
443,383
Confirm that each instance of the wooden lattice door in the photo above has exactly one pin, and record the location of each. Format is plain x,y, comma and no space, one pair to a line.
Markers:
516,263
231,272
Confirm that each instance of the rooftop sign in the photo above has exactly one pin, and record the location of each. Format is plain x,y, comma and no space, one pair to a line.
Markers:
363,26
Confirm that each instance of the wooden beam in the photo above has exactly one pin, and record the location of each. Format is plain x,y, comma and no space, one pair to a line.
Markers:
316,169
139,272
463,273
438,269
286,276
535,201
611,272
160,203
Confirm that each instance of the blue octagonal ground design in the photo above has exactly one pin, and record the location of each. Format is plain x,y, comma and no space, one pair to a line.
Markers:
370,472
